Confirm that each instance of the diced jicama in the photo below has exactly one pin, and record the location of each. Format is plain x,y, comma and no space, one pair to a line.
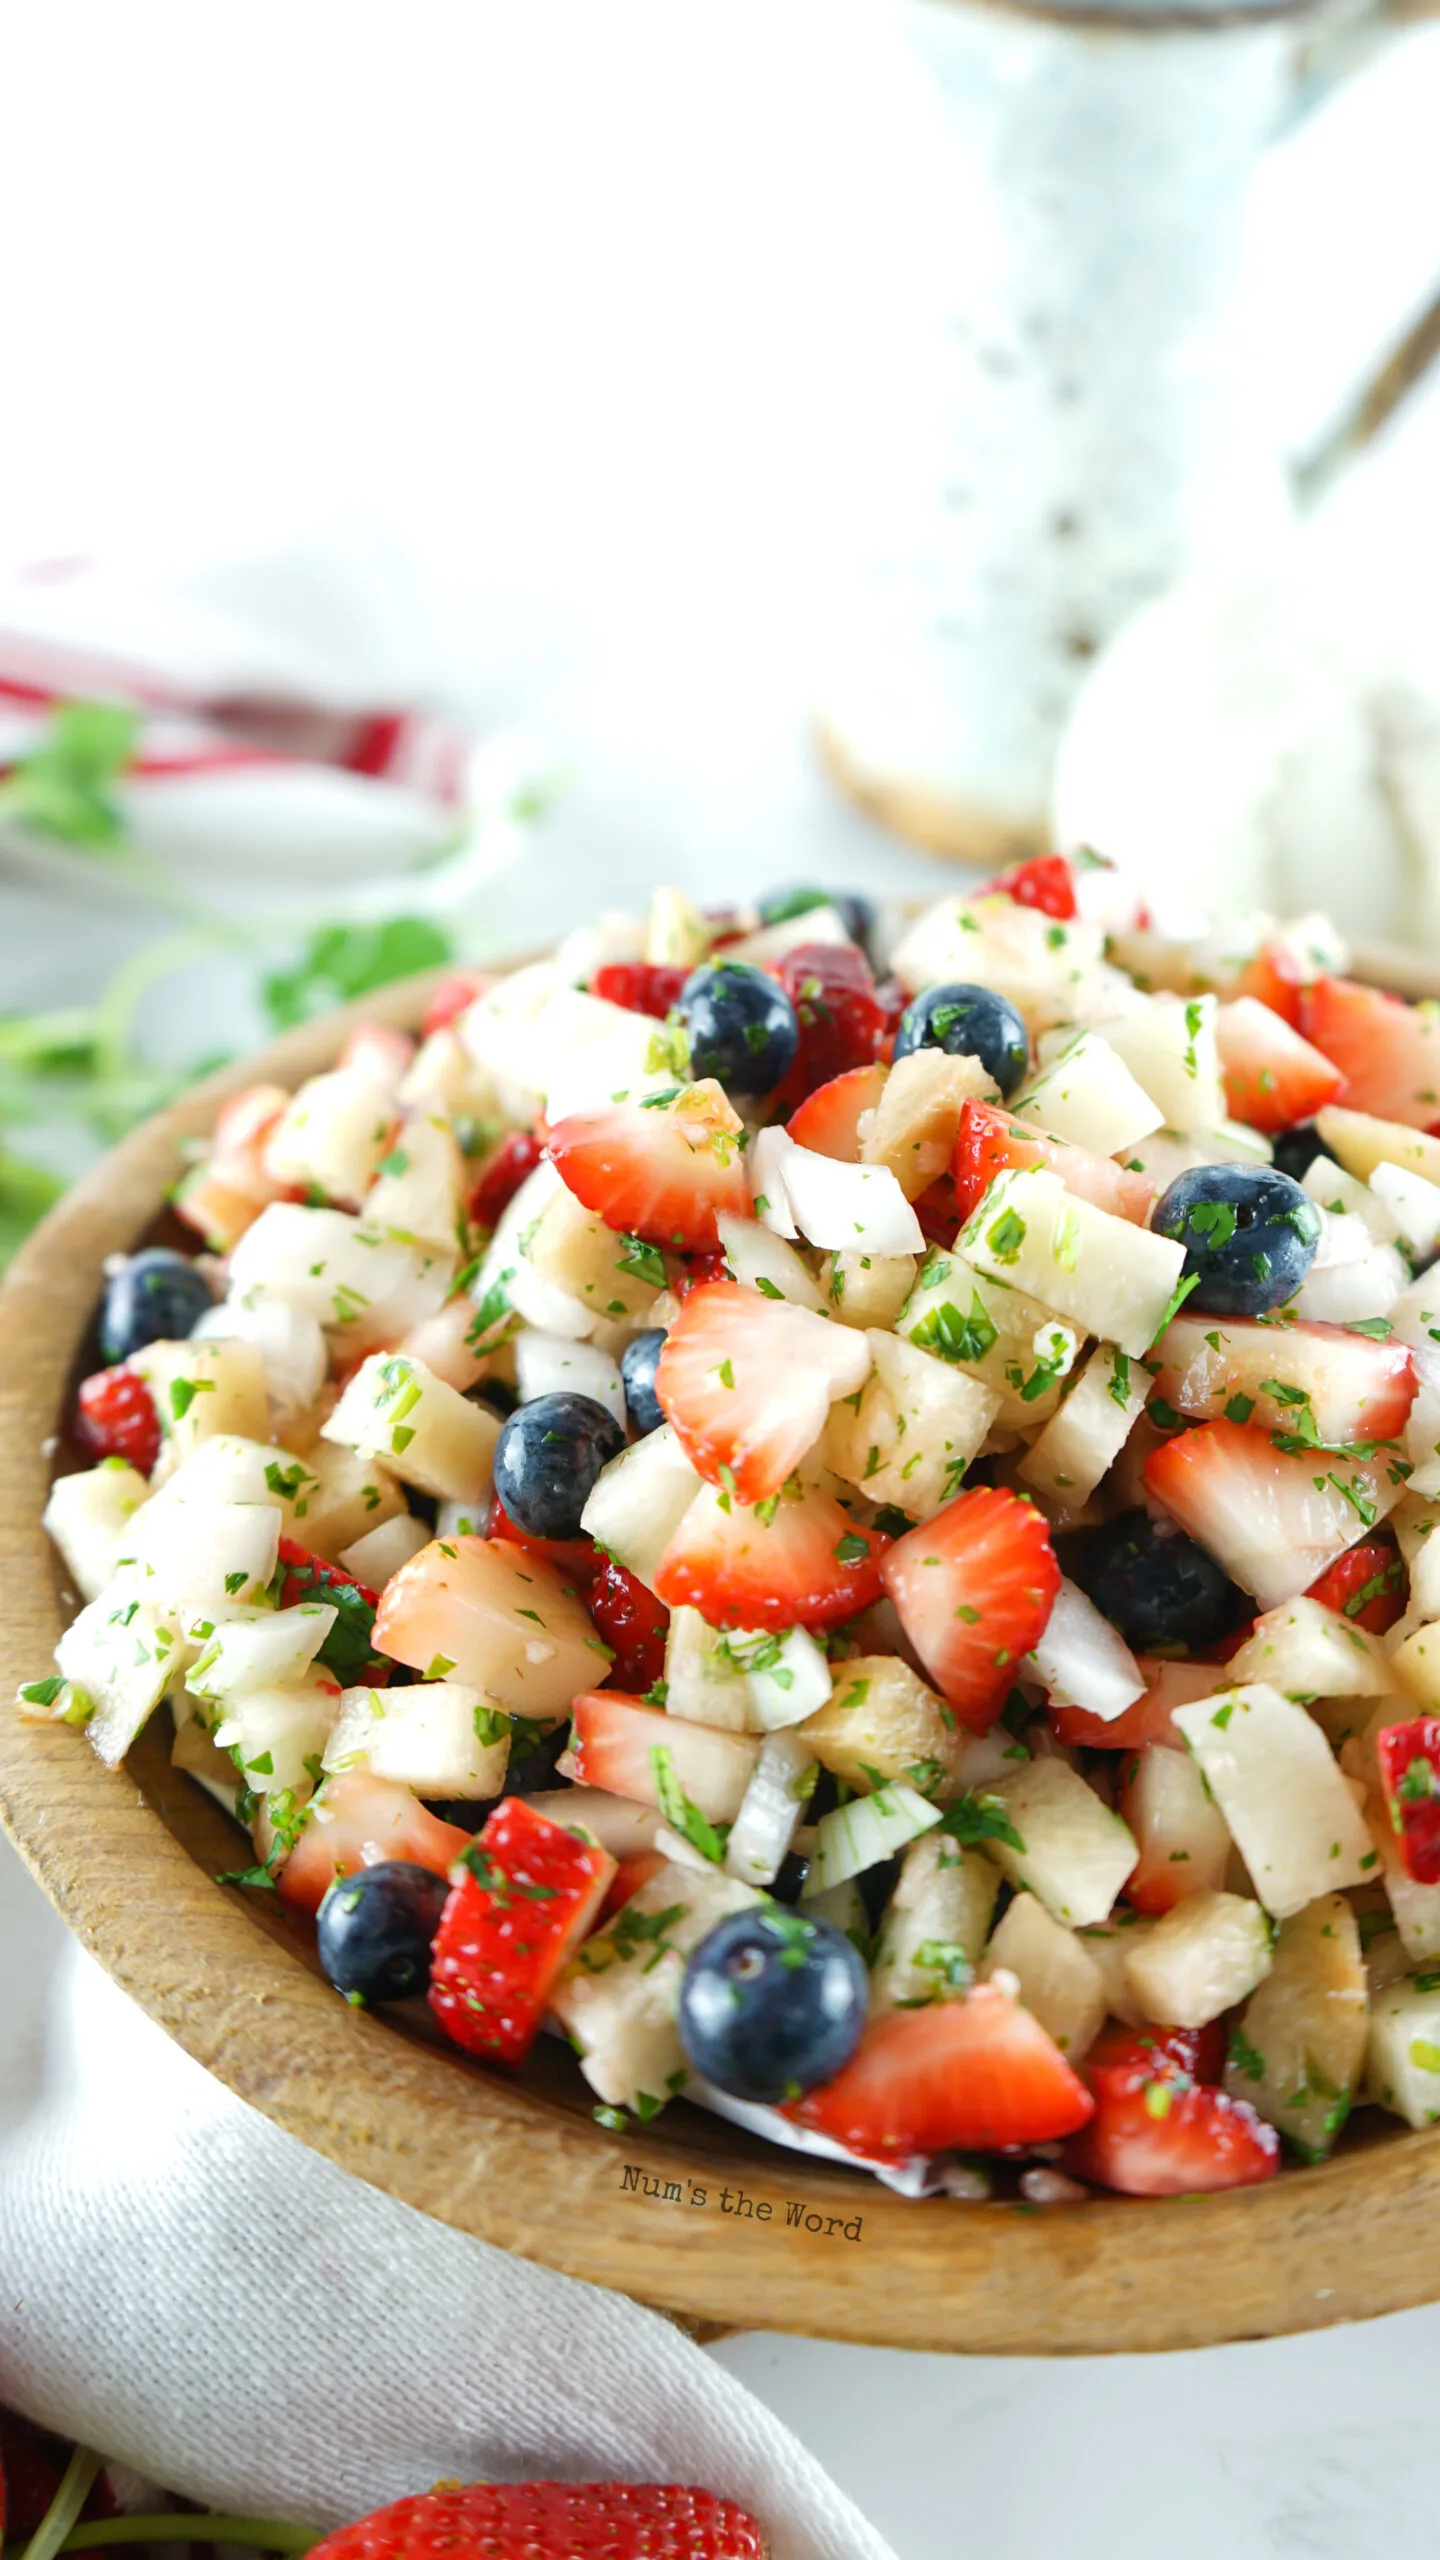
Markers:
1314,1381
765,1162
1204,1956
443,1343
854,1206
1299,2049
333,1135
1081,1661
619,1997
1342,1287
288,1339
380,1053
762,1260
1332,1188
419,1190
360,1286
499,1616
935,1924
1171,1049
494,1318
1082,1440
1183,1837
704,1683
587,1051
862,1834
1414,1204
381,1552
230,1468
205,1389
999,1334
89,1516
347,1496
918,1425
1404,2062
1309,1651
1111,1942
1290,1811
1360,1142
196,1751
638,1502
1415,1521
1075,1854
772,942
396,1410
257,1648
770,1810
612,1276
787,1675
193,1553
119,1656
865,1289
992,941
677,935
1060,1982
547,1364
441,1737
881,1722
1088,1096
911,1132
278,1732
1102,1272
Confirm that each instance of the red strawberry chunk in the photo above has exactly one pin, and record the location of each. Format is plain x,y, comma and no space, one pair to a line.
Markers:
1159,2127
577,1559
32,2466
828,1120
1409,1757
360,1821
630,1875
748,1382
796,1560
1272,1077
991,1142
454,996
1388,1051
115,1417
1046,882
552,2520
348,1649
1314,1382
974,1588
523,1895
978,2074
696,1269
665,1173
1168,1685
842,1022
641,986
1273,978
1366,1584
516,1157
614,1742
1275,1519
633,1623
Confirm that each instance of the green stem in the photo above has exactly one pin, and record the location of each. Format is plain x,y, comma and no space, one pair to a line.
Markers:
60,2516
260,2533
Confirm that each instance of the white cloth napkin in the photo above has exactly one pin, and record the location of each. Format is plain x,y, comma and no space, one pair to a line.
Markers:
189,2289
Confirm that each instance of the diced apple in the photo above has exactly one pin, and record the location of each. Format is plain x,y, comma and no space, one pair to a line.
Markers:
441,1737
1184,1839
278,1732
1082,1440
1103,1273
866,1289
1171,1048
999,1334
882,1722
1076,1853
1290,1811
1299,2050
639,1501
499,1616
1060,1982
916,1428
419,1189
935,1925
256,1648
1205,1956
619,1997
398,1411
89,1515
1404,2063
1088,1097
203,1390
913,1127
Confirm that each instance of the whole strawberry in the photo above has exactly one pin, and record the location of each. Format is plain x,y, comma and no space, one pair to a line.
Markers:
551,2520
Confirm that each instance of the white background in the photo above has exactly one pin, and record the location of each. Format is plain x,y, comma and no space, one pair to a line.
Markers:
599,312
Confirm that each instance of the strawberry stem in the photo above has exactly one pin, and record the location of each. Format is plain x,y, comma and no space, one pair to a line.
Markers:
261,2533
76,2482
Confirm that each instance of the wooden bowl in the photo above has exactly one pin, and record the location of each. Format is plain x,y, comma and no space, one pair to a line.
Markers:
691,2216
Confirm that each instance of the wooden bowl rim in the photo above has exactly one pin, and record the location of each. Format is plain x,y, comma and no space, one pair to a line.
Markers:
793,2245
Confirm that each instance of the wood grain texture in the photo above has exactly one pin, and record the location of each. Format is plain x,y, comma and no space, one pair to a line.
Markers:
128,1858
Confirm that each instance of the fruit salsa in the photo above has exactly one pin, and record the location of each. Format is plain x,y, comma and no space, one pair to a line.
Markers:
837,1507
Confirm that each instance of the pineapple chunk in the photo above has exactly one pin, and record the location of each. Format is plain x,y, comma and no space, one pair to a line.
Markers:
1415,1667
1105,1275
257,1648
1111,1943
278,1733
350,1496
1404,2066
119,1656
1298,2052
998,1334
933,1932
1310,1651
332,1136
761,1260
203,1390
882,1722
1414,1522
441,1737
89,1515
1206,1954
677,936
916,1426
866,1289
381,1552
1081,1442
1045,969
1076,1853
703,1684
195,1554
1360,1142
1060,1982
638,1502
420,1185
1088,1097
913,1128
362,1287
397,1410
619,1997
1171,1047
1291,1814
613,1276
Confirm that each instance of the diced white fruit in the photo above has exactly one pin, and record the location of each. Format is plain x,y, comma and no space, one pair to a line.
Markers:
1416,1907
1111,1943
918,1426
279,1733
1310,1651
1414,1204
537,1301
1088,1097
443,1343
620,1825
442,1076
350,1496
230,1468
1348,1291
1171,1049
935,1925
441,1737
857,1207
333,1135
999,1334
204,1389
1206,1954
381,1552
1185,1844
288,1339
1106,1275
769,1816
498,1031
1081,1660
547,1364
639,1501
865,1289
261,1648
1415,1521
992,942
1414,1667
1082,1440
765,1162
862,1834
762,1260
913,1128
360,1286
1076,1854
396,1410
773,941
788,1677
494,1318
703,1680
196,1752
120,1655
612,935
1291,1813
619,1997
1169,1152
1404,2066
677,936
195,1553
881,1722
1360,1142
1060,1982
585,1052
419,1190
1300,2049
89,1516
1332,1188
614,1277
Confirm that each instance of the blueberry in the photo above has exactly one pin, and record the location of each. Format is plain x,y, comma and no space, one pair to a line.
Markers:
1156,1586
1297,1149
968,1022
772,2003
547,1458
375,1930
857,914
1249,1235
638,1363
153,1296
741,1026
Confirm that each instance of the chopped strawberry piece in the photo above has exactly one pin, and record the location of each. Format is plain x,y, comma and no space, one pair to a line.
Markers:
974,1588
1273,978
1273,1078
1409,1757
842,1022
747,1383
553,2520
938,1210
797,1560
1159,2127
1315,1382
630,1874
513,1160
223,1196
828,1120
664,1172
348,1649
615,1742
115,1417
632,1622
1168,1685
978,2074
696,1269
641,986
1046,882
1366,1584
991,1142
454,996
1388,1051
32,2466
523,1895
360,1821
575,1559
1274,1518
379,1052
